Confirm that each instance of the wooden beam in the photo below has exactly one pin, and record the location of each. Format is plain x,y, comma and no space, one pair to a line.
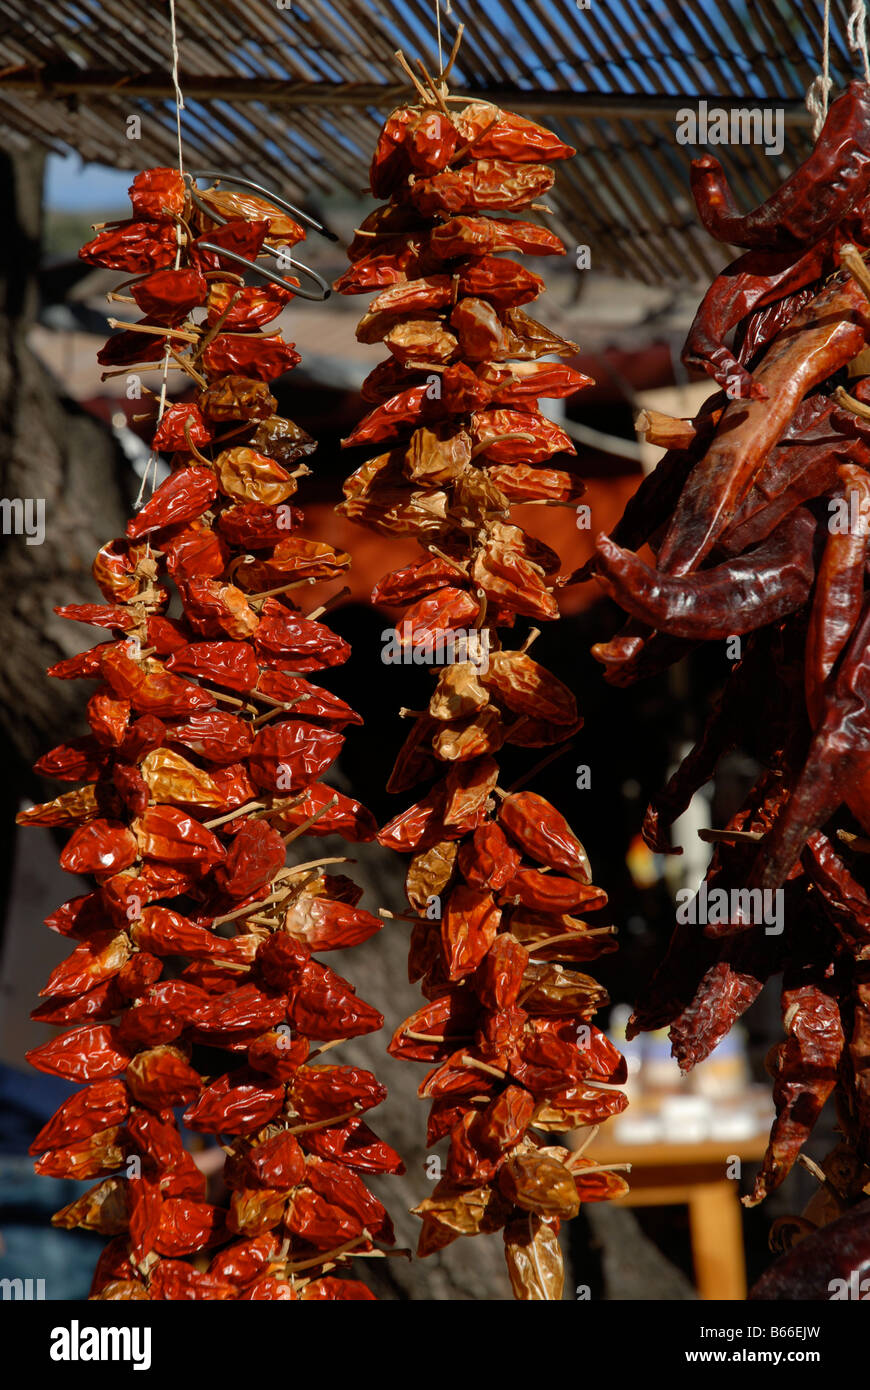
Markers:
66,80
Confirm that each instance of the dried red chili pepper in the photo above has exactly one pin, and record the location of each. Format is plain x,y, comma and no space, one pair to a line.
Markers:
184,495
137,247
810,203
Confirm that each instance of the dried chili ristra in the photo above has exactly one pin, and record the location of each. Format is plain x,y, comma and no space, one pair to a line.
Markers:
197,933
782,473
495,878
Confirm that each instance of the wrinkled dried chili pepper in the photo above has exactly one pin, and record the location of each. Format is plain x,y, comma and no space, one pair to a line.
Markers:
195,932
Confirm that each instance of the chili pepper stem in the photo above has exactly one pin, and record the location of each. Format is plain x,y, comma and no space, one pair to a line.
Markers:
190,444
217,325
590,1137
220,440
315,864
140,367
713,837
324,1047
435,1037
282,589
243,911
154,330
229,699
267,715
231,815
454,53
485,444
327,1255
278,704
323,1124
185,367
482,1066
409,71
842,397
469,144
854,262
325,607
403,1253
539,766
448,559
569,936
548,502
278,807
280,707
481,612
301,829
859,843
439,98
404,916
821,1178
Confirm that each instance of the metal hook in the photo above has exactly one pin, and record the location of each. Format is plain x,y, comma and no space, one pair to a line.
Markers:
269,195
270,274
324,288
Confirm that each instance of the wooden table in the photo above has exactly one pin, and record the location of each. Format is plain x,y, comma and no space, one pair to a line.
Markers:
672,1174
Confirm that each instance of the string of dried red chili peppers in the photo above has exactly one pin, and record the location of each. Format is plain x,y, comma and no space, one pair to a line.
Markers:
202,763
758,519
507,1023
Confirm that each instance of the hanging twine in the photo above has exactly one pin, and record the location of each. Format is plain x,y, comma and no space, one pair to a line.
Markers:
438,26
151,466
179,99
856,33
819,89
448,9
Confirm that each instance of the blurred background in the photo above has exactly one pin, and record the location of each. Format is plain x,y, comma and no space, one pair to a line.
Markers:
71,436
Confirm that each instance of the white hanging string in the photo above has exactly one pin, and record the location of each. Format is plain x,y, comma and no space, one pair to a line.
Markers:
179,99
448,9
819,89
856,33
151,466
438,24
